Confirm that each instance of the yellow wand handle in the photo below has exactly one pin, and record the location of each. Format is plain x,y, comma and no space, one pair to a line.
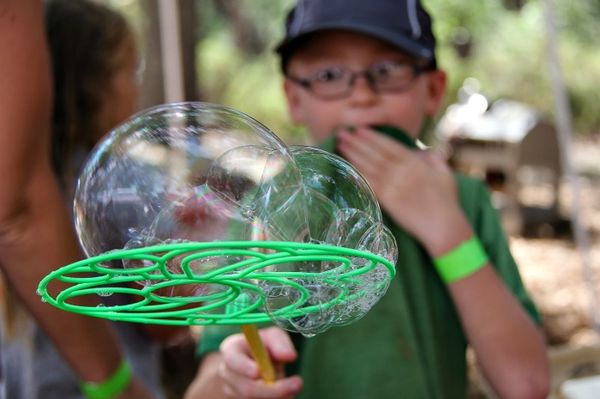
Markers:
265,366
267,371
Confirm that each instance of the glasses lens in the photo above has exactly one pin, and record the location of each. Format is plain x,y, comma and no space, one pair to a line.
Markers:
331,82
391,75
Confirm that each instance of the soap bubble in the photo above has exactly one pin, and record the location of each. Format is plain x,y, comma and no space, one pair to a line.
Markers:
205,173
180,169
334,205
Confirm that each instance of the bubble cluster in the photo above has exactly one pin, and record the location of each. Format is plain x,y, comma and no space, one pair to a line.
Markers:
205,173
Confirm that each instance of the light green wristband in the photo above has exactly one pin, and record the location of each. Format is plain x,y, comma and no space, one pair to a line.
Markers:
462,261
112,386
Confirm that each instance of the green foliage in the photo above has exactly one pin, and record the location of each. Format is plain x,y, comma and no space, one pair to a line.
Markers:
507,54
251,84
579,21
583,79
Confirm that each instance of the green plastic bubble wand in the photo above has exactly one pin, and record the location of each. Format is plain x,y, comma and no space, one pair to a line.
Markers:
98,276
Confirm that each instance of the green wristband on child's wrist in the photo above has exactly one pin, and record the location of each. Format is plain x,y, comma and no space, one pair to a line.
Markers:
462,261
112,386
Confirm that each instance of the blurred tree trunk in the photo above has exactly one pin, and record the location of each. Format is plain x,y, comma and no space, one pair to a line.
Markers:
189,37
153,90
246,35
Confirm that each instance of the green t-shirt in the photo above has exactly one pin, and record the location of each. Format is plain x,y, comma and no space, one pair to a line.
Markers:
411,343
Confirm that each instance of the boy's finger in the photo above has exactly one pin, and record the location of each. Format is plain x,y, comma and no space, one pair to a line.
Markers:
366,166
351,145
237,357
363,157
374,149
437,158
384,145
279,344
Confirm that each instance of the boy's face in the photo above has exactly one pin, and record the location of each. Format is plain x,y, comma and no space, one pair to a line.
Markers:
363,106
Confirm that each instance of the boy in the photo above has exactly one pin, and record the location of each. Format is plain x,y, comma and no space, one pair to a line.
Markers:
350,65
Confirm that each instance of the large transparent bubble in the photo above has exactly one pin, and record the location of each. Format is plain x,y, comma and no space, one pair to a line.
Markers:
197,172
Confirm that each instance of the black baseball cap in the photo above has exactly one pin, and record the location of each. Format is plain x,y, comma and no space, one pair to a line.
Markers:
402,23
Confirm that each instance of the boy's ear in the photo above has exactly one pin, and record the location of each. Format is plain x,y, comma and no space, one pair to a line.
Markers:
437,91
293,100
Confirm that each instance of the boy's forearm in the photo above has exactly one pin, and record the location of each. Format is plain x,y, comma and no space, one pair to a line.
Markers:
509,347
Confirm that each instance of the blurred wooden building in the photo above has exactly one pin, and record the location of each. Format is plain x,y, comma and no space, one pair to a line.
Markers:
512,148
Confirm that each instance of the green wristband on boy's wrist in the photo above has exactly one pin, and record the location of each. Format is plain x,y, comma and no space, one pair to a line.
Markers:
462,261
112,386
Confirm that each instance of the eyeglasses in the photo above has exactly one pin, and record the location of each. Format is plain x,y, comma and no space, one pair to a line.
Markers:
334,83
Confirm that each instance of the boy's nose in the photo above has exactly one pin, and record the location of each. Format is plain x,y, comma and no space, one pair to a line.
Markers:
363,90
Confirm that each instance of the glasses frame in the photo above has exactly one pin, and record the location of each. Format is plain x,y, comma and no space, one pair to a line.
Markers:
308,83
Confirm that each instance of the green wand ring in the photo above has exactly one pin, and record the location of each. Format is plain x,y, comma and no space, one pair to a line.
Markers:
238,288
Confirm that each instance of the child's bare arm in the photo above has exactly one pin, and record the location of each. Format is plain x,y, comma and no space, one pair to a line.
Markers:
510,349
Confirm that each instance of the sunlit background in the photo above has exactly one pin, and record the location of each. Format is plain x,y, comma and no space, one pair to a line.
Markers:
502,44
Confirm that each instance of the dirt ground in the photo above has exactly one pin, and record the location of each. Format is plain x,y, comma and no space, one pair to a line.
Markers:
553,268
566,292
